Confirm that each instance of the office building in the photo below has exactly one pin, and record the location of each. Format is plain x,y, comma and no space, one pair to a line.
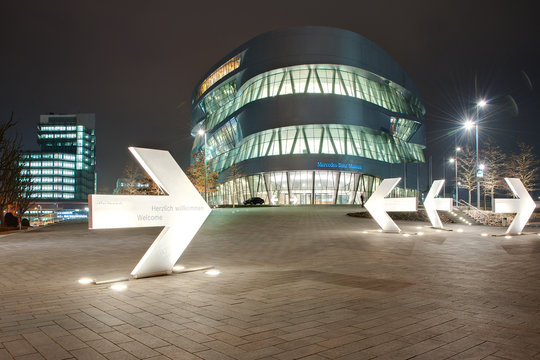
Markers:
63,171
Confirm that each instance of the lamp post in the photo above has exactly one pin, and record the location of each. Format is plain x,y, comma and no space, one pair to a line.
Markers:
480,104
203,133
444,176
458,149
469,124
455,162
482,167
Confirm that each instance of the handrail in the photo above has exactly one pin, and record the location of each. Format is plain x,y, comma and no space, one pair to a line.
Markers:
476,213
486,217
463,202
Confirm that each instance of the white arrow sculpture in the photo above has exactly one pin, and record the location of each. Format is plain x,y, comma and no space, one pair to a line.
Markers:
523,206
182,212
431,204
377,205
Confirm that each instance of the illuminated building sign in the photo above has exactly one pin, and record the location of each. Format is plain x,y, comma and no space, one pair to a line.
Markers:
338,165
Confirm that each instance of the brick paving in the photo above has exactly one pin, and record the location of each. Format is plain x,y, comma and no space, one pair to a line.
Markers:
295,283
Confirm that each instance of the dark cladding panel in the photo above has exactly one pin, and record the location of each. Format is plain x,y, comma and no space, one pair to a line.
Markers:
304,109
315,45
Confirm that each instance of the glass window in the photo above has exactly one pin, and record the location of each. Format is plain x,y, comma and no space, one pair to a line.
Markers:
325,184
221,72
324,139
329,79
277,183
301,184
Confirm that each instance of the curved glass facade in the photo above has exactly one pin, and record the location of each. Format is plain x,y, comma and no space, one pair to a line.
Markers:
297,188
220,73
333,139
301,188
368,117
311,79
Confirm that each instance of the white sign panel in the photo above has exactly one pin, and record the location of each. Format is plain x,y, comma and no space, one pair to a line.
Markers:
182,212
523,206
431,204
377,205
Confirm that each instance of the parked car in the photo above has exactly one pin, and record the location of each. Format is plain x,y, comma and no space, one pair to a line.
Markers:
254,201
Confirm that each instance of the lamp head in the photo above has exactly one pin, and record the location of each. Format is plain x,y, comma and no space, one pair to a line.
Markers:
200,132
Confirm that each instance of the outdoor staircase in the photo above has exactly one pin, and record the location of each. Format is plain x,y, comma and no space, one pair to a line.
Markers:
460,217
480,217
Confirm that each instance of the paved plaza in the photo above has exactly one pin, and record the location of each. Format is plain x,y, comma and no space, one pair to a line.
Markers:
295,283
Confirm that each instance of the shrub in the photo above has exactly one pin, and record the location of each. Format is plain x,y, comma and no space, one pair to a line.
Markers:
10,220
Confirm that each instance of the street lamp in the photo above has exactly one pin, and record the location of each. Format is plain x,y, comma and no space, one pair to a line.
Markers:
479,105
468,125
481,168
444,176
203,133
455,162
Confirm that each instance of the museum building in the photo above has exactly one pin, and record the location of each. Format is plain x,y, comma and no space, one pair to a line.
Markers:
308,115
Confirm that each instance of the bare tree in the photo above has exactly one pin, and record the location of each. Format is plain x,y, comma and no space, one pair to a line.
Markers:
196,174
23,198
131,180
10,166
467,170
151,188
524,166
494,160
136,182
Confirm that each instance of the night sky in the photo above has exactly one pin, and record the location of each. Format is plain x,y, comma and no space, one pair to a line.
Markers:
135,64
